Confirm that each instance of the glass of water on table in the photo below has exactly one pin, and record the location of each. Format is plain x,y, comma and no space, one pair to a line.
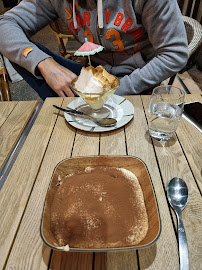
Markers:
165,110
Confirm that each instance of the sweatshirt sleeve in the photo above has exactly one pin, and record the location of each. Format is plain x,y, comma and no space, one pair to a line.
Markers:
163,22
18,25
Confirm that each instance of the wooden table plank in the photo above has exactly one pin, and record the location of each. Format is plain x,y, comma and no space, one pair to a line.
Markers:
50,141
113,143
172,162
110,141
160,255
71,260
61,144
119,260
6,108
22,177
191,141
13,126
85,144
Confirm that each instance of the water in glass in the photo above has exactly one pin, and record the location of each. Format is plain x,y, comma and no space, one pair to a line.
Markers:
165,111
163,120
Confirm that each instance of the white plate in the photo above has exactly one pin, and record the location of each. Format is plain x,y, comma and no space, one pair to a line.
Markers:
120,108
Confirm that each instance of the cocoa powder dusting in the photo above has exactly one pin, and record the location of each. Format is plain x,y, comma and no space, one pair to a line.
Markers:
99,208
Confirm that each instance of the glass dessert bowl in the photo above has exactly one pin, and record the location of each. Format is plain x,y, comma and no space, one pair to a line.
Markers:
95,94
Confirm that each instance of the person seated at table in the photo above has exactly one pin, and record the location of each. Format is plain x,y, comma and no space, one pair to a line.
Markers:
144,42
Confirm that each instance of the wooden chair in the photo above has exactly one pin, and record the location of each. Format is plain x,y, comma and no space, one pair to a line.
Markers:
66,41
4,86
194,38
62,35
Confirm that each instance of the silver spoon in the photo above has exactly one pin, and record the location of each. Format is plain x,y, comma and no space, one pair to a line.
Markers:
103,122
177,194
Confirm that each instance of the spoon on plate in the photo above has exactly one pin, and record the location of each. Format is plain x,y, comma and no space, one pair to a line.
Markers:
177,194
103,122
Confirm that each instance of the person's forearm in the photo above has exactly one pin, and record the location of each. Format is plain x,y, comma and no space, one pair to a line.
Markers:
163,22
44,65
57,77
154,72
17,26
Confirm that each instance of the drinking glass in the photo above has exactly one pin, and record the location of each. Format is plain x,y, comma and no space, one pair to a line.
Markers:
165,110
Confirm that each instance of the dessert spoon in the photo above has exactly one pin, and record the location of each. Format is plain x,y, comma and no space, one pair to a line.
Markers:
103,122
177,194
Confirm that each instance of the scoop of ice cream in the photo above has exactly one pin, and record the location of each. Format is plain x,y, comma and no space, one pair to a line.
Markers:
94,80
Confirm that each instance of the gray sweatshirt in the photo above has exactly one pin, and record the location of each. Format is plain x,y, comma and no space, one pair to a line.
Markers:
144,40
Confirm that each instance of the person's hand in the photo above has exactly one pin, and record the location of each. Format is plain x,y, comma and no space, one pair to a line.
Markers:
57,77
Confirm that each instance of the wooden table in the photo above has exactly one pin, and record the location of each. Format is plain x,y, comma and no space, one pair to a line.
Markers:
51,140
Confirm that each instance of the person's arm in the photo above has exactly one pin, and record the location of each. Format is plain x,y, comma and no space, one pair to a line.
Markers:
57,77
163,22
18,25
16,28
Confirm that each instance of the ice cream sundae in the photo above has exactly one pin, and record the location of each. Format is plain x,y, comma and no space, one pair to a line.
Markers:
95,86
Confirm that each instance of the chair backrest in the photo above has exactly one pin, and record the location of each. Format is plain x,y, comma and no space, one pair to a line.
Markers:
194,38
191,8
4,86
66,41
62,35
194,34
